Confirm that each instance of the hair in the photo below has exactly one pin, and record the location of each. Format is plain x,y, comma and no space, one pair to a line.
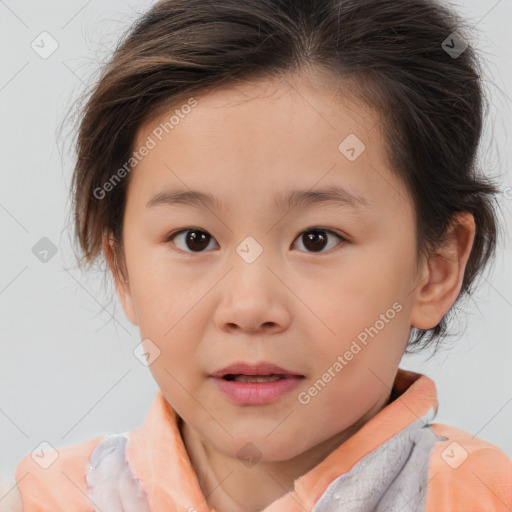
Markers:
387,52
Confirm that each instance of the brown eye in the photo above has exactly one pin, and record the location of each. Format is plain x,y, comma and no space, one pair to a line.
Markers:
316,239
196,240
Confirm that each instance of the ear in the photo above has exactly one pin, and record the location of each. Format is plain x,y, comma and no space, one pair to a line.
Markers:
120,277
443,273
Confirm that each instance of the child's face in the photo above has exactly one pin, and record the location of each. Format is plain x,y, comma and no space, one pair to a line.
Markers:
338,313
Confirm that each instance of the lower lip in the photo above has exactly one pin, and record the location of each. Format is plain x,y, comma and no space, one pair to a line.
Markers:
256,393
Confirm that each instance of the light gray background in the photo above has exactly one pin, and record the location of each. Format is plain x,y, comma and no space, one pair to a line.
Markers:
67,370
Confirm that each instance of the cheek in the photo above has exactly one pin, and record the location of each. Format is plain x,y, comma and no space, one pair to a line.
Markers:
161,294
363,317
353,296
176,370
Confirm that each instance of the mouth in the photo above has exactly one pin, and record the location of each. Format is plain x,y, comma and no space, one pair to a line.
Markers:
259,384
254,372
253,378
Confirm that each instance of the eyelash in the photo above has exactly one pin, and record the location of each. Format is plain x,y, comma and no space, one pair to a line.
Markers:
174,234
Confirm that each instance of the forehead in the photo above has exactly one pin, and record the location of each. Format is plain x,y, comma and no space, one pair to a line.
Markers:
270,135
303,103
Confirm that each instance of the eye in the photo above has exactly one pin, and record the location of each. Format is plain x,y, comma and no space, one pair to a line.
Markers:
315,238
196,240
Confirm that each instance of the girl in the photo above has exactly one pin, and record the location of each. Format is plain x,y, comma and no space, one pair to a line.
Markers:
222,142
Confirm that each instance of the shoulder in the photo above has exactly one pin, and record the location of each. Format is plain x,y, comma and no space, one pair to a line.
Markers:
55,478
467,473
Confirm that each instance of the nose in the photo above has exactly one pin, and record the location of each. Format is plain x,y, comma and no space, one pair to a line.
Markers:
253,299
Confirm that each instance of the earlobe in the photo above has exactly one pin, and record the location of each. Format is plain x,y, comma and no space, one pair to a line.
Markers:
445,273
121,282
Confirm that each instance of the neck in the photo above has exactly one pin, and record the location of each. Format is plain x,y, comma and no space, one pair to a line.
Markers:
231,485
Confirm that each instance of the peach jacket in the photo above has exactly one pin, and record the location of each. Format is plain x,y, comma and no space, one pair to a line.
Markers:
398,461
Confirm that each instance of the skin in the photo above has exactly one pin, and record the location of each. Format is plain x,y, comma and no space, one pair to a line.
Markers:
294,306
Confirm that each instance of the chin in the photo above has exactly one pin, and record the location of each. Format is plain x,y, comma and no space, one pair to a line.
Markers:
11,501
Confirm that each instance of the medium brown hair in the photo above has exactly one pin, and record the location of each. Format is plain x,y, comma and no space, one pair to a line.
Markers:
431,102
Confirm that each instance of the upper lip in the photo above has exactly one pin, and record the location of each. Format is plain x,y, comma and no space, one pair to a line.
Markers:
263,368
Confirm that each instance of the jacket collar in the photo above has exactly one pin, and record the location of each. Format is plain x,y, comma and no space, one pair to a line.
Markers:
158,457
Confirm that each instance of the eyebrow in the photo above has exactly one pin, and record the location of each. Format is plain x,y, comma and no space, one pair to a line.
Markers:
300,199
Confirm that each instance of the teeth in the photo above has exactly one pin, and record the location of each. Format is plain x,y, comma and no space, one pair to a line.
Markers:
257,378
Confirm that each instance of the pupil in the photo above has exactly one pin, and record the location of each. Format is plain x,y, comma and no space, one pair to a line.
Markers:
202,240
312,240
